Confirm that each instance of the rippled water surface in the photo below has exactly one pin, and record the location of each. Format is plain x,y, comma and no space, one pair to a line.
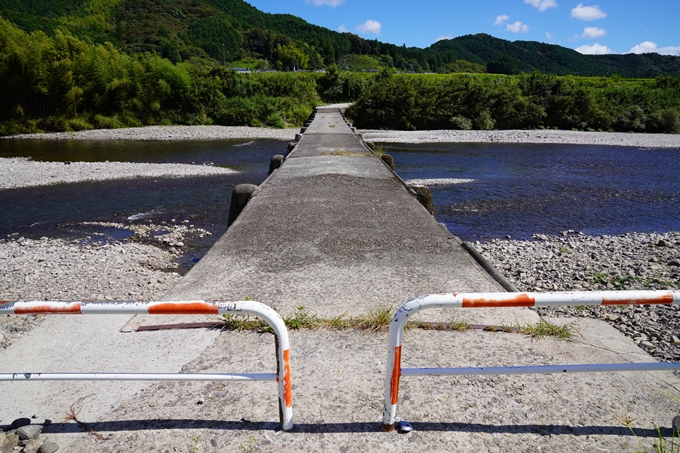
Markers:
480,191
519,190
58,210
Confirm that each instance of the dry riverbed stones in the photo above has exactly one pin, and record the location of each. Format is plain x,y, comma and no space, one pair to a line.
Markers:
573,261
24,435
140,267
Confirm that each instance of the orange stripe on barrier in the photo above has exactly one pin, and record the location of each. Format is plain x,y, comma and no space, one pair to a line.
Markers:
193,308
665,299
521,300
396,372
287,387
70,308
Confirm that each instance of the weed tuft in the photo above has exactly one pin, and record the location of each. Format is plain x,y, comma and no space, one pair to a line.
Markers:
376,320
301,319
544,329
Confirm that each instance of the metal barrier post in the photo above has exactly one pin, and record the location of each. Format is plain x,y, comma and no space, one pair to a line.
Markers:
498,300
194,307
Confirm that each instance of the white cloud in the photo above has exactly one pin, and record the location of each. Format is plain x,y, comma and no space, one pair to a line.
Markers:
500,20
595,49
517,27
542,5
649,47
586,13
445,37
549,36
370,26
593,32
342,29
331,3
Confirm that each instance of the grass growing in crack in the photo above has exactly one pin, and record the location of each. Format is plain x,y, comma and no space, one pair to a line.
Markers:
379,320
249,445
544,329
459,326
660,445
564,249
244,322
194,446
301,319
378,148
339,322
375,321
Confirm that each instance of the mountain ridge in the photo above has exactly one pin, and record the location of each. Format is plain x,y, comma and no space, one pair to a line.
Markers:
230,30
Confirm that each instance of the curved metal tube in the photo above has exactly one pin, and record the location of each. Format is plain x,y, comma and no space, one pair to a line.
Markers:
193,307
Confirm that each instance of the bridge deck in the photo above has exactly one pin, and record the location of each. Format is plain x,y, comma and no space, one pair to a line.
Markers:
335,231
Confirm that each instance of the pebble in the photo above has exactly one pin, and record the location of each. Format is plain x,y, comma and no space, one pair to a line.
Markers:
29,432
24,437
49,447
632,261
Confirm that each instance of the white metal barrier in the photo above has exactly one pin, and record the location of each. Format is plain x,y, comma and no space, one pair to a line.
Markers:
496,300
195,307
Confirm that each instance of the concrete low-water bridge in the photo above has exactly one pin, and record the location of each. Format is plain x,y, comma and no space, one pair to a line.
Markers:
335,230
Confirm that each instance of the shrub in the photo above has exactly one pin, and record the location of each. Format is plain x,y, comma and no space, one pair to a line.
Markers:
460,122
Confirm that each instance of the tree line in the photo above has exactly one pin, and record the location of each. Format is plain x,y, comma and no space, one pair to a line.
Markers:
525,101
63,82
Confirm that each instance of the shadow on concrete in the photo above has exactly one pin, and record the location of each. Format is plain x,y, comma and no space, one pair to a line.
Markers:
318,428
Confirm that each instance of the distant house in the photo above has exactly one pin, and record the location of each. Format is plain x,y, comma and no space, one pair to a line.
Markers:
242,70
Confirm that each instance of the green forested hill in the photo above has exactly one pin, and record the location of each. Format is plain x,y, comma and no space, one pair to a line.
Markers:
79,64
552,59
230,30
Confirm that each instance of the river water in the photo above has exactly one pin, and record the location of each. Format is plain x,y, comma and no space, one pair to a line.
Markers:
511,190
518,190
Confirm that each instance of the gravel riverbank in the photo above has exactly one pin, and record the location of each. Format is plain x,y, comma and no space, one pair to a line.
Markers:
576,262
528,136
140,267
22,172
167,133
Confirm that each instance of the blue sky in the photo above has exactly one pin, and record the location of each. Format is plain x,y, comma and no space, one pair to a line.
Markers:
600,26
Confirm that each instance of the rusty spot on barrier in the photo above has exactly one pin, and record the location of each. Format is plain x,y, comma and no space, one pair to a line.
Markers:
396,373
520,300
388,428
174,308
663,299
287,388
69,308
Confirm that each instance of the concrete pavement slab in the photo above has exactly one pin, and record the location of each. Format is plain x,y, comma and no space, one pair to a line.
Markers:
338,380
76,343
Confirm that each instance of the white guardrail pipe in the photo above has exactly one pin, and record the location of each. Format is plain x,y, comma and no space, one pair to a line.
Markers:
498,300
190,307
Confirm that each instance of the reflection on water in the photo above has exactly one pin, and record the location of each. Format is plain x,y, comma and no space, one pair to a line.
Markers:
480,191
518,190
